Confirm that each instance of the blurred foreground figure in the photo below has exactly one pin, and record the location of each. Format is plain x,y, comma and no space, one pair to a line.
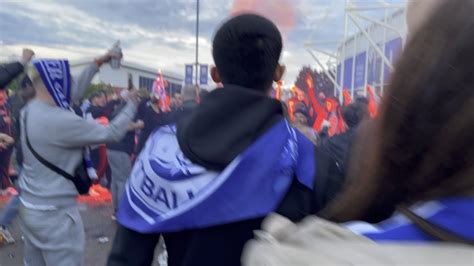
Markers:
10,71
54,141
10,211
207,182
414,169
5,128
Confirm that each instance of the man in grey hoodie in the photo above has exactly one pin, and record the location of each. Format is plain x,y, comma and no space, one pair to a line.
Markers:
51,223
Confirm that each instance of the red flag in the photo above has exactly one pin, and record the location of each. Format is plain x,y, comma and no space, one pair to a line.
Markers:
347,97
278,90
372,102
321,113
160,91
336,122
291,107
101,167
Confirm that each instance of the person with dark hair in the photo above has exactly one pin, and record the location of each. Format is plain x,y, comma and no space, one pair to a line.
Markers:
150,114
339,149
98,112
208,182
419,155
10,71
119,155
98,102
301,122
202,94
176,101
339,145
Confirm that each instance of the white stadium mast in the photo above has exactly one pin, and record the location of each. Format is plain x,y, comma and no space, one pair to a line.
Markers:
370,37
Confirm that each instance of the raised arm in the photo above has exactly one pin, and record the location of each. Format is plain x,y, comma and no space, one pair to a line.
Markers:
79,132
83,81
10,71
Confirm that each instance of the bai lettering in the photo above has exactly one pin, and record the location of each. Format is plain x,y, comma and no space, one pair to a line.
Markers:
160,195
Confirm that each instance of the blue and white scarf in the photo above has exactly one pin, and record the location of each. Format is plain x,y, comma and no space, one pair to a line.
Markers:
57,80
455,214
166,192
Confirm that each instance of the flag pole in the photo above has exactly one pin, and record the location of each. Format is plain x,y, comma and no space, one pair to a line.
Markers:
197,41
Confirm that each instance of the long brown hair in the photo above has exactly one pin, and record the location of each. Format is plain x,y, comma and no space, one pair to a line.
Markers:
421,146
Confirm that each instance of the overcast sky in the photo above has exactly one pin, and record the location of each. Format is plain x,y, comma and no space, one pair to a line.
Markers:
159,33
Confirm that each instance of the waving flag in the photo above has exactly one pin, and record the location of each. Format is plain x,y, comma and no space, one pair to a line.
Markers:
347,97
321,113
160,91
372,102
278,90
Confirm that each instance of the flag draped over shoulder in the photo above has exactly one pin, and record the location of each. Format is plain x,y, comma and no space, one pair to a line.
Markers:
166,192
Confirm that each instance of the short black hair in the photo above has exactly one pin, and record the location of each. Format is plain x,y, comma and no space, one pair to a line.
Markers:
354,113
97,94
246,51
302,109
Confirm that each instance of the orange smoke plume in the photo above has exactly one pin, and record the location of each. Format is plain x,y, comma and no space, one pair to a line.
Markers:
281,12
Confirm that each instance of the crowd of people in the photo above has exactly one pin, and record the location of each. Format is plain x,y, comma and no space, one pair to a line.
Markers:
235,176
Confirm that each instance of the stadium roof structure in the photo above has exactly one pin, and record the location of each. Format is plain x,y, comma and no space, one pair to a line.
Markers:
359,18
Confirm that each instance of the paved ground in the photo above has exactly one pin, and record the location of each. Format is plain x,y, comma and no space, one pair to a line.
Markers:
97,223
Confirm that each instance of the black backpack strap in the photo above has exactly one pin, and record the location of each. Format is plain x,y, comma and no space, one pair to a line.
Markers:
434,230
38,157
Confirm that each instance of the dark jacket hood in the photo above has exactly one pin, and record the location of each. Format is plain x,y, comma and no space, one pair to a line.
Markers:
226,122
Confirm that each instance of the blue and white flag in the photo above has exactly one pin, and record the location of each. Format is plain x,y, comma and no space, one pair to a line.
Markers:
455,214
56,77
167,192
188,74
204,73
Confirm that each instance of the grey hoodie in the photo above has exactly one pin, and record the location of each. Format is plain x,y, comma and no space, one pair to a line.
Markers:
59,136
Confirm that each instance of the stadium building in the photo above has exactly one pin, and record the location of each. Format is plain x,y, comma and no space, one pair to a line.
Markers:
142,77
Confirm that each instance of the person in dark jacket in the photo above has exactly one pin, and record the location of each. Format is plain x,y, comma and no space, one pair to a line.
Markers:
10,71
119,156
5,128
189,96
339,145
301,122
149,112
208,181
338,148
26,94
